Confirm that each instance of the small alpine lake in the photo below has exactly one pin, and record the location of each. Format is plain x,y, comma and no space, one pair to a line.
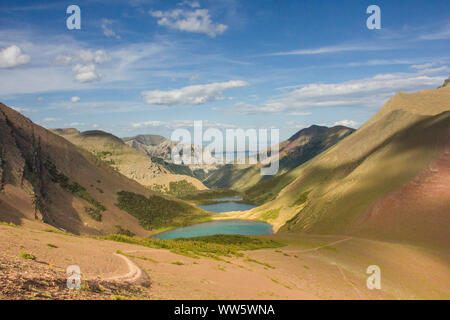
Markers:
232,226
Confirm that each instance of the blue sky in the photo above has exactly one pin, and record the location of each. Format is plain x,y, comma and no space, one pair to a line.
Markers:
152,66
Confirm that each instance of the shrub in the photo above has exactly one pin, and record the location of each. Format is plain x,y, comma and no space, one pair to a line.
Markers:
28,256
94,213
157,211
124,232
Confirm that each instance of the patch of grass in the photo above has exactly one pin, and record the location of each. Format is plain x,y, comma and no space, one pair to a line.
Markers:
208,246
27,256
60,232
51,245
221,268
178,188
271,214
281,284
301,199
259,262
306,267
136,257
178,263
9,224
157,212
124,232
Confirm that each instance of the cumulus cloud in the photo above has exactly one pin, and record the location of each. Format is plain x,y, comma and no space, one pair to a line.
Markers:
189,20
13,56
84,64
347,123
85,73
75,99
191,95
107,30
368,92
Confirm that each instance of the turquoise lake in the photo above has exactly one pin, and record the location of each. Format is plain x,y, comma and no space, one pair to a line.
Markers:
242,227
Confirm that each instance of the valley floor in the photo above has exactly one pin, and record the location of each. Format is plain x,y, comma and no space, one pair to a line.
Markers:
308,267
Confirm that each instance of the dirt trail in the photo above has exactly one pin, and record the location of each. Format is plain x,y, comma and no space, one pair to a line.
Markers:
318,248
134,275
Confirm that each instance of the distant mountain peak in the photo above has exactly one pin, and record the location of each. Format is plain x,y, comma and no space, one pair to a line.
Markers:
446,83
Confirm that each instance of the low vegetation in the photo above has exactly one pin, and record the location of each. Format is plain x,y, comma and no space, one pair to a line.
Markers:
209,246
94,213
124,232
271,214
176,188
157,212
27,256
77,190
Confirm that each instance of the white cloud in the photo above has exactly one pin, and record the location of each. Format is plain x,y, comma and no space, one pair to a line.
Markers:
192,4
91,56
369,92
84,64
442,34
422,66
76,124
83,55
296,113
24,110
191,95
75,99
87,73
346,123
198,20
182,123
62,60
49,119
440,69
107,30
12,56
331,49
427,68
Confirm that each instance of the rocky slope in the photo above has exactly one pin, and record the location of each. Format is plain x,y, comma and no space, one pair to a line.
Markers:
46,178
160,149
130,162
